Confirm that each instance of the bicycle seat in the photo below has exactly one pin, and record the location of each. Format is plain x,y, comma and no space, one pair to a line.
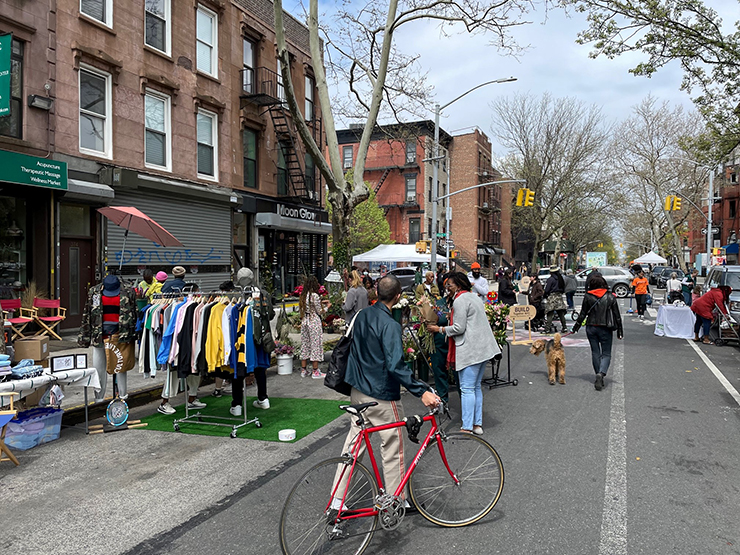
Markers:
357,409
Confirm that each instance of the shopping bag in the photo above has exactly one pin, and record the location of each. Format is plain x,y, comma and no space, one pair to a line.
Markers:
334,378
427,312
119,357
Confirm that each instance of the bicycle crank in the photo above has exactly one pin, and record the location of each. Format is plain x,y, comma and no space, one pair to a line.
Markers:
391,510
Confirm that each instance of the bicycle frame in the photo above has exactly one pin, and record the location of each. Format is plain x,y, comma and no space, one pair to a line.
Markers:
364,437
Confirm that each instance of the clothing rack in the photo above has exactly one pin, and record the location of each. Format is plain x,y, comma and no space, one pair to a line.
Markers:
197,417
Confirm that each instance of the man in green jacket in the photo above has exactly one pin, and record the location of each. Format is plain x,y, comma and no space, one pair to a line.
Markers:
376,371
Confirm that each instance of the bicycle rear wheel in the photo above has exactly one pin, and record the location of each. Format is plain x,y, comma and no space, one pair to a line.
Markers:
478,468
307,528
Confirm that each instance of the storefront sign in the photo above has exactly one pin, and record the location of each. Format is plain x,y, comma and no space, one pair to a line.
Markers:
30,170
296,212
5,46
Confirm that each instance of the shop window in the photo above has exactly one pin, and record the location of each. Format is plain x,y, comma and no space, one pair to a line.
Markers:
347,157
95,110
157,134
250,64
310,174
249,142
240,234
100,10
207,41
309,107
74,220
12,124
156,24
12,244
410,152
410,188
207,144
414,230
282,173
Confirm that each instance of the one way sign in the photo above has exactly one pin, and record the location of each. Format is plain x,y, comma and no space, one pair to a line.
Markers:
715,231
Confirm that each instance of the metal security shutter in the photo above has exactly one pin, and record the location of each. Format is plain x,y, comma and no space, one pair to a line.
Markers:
201,225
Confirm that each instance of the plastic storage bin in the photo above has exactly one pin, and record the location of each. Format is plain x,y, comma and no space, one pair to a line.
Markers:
34,427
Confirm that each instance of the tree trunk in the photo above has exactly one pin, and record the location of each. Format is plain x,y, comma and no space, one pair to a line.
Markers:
537,241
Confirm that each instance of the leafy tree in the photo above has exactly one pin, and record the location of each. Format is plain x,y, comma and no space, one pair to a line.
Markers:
358,49
686,31
368,227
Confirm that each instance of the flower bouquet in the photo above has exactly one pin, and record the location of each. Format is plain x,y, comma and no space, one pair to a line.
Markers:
498,318
284,348
409,350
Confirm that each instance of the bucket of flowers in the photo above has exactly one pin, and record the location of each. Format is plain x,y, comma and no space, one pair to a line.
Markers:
410,352
284,353
498,318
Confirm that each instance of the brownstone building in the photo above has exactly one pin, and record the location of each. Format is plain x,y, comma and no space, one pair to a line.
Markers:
176,109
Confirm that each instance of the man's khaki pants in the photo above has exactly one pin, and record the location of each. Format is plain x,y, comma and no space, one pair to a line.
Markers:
391,447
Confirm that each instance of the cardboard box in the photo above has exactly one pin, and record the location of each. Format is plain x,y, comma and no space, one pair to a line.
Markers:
35,348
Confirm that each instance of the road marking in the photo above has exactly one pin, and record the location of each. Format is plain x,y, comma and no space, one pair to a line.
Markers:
652,312
717,374
613,540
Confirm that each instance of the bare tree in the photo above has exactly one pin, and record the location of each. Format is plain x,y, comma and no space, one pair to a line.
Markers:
652,161
557,146
360,51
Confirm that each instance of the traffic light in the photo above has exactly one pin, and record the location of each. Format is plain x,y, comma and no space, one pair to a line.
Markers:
668,202
677,203
421,247
529,198
520,197
601,245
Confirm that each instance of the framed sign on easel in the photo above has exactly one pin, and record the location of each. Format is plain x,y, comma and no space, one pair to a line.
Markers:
522,313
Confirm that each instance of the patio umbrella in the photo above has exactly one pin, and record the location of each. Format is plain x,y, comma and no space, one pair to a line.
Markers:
133,219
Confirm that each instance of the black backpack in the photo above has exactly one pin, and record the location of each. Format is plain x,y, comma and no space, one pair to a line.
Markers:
334,378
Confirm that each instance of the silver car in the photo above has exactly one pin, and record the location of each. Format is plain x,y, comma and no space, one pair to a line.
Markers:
730,276
406,277
618,279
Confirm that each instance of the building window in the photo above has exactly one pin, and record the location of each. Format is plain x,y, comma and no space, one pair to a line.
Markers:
347,157
95,109
156,28
414,230
310,175
12,124
733,177
410,188
282,175
100,10
249,66
309,108
207,144
430,189
207,41
249,140
157,134
410,152
733,209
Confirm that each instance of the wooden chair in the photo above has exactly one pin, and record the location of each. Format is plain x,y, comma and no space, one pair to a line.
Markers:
5,417
49,323
21,316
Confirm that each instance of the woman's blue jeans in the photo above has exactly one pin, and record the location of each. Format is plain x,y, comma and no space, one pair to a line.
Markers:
471,395
600,338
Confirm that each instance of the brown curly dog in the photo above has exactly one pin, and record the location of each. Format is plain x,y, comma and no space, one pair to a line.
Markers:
555,357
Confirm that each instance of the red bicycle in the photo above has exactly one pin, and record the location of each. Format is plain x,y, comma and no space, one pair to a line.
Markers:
456,488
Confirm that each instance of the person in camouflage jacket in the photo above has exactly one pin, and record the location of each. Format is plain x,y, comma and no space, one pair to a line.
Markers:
91,330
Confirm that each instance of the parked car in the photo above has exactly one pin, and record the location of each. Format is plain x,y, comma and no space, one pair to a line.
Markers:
730,276
665,275
543,275
654,273
618,279
406,277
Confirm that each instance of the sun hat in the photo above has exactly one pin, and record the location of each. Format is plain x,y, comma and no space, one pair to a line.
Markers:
554,268
161,276
111,286
475,266
178,271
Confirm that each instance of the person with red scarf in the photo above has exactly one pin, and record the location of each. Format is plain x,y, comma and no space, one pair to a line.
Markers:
472,345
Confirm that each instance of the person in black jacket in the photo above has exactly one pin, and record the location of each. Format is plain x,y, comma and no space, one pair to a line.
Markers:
506,293
554,289
601,312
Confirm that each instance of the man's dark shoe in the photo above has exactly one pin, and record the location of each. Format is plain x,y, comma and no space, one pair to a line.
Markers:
599,383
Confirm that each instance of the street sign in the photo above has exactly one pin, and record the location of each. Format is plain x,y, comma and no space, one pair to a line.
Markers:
5,44
715,231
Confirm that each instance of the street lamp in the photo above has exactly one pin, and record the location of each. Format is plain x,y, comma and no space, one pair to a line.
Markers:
435,161
710,235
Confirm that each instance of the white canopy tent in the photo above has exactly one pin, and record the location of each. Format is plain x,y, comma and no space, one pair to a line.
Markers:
395,253
650,258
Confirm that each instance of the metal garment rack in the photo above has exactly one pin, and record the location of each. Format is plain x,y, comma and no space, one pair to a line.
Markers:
495,380
197,417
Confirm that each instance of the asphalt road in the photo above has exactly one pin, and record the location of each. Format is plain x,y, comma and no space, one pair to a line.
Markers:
649,465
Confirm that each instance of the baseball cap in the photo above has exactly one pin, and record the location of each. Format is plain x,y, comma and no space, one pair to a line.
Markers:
475,266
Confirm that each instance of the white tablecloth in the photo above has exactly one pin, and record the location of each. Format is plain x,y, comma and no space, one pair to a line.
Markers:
87,377
675,321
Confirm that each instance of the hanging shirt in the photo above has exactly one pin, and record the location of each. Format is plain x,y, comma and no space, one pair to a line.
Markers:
163,354
215,339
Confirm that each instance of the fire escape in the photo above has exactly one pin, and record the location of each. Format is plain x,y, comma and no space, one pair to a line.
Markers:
263,87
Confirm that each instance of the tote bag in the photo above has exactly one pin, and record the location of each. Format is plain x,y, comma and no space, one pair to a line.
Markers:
334,378
119,357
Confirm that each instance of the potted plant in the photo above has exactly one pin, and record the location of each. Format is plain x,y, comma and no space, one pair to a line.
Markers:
284,353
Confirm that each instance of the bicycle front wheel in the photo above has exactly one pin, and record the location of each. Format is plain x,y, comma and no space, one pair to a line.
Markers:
308,528
479,471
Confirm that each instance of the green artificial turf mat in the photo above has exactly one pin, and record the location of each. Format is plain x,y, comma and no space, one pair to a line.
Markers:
302,415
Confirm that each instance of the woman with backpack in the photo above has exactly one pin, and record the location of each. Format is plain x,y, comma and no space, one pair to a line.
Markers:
601,314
